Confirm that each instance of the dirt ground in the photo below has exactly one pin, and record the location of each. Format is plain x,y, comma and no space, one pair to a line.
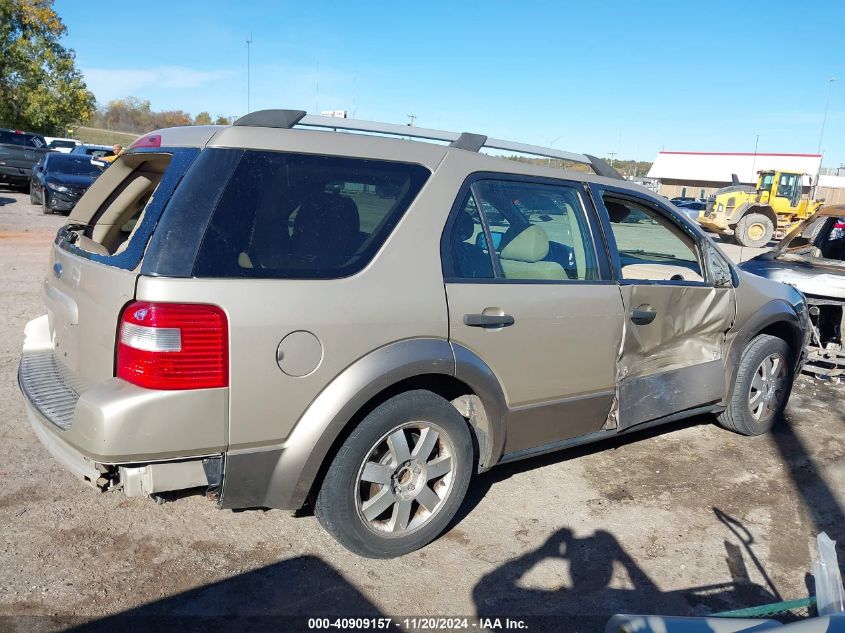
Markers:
688,519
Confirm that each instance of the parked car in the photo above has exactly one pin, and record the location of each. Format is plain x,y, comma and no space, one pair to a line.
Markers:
64,145
19,151
59,180
293,318
95,151
683,199
691,208
811,258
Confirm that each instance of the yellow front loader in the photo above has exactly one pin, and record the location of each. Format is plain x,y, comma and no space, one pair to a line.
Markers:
755,215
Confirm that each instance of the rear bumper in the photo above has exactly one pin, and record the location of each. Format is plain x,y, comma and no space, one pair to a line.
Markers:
70,458
14,174
116,435
134,480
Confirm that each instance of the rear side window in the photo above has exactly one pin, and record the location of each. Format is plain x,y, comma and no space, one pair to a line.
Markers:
296,216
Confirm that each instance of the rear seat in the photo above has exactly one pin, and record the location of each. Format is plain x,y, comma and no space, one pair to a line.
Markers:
522,257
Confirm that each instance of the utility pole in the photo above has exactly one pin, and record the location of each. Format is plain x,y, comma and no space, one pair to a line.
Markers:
826,106
754,162
248,42
612,157
411,119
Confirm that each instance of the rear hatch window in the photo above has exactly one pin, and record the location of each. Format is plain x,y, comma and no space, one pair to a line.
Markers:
283,215
32,141
113,221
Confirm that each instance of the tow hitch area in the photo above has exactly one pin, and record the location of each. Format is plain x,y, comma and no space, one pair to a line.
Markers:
152,479
826,358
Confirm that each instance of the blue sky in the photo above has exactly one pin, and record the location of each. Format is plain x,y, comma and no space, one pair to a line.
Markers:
625,77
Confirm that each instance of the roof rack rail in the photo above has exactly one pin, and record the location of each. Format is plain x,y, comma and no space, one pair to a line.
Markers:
466,140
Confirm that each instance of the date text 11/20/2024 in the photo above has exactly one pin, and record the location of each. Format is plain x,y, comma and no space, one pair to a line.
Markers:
418,624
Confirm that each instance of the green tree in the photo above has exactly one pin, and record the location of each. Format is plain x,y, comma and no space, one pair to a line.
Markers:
40,86
221,120
203,118
129,115
172,118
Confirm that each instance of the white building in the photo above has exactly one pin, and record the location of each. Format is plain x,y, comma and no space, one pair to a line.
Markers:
699,174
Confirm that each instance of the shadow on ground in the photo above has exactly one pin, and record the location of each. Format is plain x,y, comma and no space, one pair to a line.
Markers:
598,578
279,597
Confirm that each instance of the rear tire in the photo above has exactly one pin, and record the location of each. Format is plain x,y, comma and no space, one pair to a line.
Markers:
754,230
763,384
399,478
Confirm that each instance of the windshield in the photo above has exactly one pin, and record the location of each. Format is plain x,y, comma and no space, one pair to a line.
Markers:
72,165
766,181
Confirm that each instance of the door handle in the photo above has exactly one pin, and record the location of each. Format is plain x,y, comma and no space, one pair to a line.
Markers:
643,316
488,320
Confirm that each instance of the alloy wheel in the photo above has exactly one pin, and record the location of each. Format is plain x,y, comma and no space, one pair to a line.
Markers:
768,387
405,479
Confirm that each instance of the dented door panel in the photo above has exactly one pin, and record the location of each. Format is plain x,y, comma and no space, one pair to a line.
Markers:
676,362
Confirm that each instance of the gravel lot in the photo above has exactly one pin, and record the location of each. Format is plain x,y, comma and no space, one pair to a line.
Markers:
689,519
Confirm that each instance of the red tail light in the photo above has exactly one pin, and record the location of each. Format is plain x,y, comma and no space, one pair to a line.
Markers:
173,346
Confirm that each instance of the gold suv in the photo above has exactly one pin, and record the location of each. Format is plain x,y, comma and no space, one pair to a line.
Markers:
284,314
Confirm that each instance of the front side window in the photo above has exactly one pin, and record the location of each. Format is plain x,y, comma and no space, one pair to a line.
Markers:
651,247
538,232
299,216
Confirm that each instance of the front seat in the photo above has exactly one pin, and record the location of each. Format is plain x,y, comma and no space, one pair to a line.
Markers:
523,257
326,230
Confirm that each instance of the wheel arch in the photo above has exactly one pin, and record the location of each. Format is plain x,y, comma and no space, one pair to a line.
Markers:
285,476
776,318
762,209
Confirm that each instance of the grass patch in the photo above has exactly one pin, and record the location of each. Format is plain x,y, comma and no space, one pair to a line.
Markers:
97,136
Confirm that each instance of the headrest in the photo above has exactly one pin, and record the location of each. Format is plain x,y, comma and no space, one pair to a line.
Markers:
327,212
617,211
464,226
531,245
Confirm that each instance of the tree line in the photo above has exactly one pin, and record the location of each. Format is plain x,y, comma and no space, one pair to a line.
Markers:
136,115
42,90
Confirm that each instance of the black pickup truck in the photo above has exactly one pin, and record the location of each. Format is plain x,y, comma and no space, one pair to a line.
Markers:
19,151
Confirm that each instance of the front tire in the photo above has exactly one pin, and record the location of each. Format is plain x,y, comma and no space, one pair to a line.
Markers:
754,230
399,478
32,199
45,202
763,384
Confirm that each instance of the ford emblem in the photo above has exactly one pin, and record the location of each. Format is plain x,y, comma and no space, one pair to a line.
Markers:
57,269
